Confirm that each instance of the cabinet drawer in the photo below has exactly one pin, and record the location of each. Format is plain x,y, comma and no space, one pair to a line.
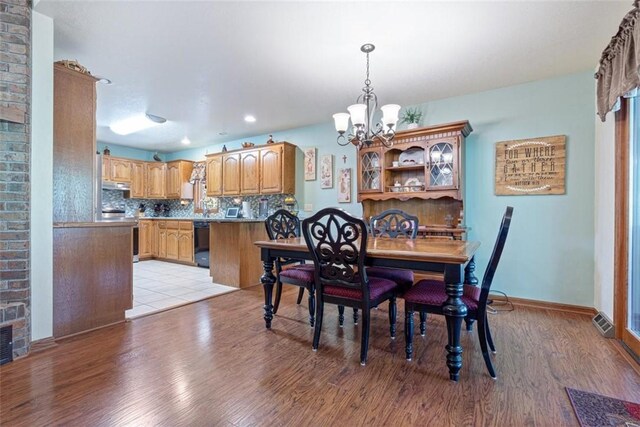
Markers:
162,224
173,225
186,225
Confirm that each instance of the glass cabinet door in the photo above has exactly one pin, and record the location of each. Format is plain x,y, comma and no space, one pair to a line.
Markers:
443,168
370,171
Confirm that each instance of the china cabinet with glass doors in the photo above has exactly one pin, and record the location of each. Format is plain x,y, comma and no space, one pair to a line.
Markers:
421,173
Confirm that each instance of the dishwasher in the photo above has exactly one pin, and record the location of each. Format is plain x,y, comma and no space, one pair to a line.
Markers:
201,243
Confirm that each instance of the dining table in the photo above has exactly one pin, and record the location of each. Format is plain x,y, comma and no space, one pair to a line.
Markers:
449,257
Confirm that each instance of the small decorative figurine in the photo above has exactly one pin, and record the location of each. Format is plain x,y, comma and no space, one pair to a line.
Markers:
156,157
106,151
270,140
224,148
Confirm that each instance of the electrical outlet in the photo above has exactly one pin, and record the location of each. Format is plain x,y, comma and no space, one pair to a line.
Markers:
308,207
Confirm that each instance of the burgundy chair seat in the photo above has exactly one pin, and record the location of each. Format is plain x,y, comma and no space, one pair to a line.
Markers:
377,287
300,273
431,292
404,278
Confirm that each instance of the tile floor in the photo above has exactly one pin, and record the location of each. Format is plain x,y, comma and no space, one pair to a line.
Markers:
159,285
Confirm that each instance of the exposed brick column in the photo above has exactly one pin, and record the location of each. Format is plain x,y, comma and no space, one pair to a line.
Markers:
15,141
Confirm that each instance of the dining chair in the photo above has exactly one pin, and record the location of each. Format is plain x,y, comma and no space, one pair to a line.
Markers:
397,224
282,224
430,296
338,245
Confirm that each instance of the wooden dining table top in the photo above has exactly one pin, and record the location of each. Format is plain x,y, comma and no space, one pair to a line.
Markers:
422,250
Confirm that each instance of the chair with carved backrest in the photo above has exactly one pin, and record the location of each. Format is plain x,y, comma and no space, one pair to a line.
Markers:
430,296
338,245
396,224
282,224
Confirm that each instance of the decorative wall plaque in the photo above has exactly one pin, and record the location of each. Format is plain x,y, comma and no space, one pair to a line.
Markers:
310,164
531,166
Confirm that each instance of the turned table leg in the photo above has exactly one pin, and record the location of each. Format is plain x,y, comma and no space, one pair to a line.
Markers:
470,279
454,310
267,280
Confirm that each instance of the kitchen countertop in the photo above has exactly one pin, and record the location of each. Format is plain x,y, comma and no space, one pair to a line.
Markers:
118,223
177,218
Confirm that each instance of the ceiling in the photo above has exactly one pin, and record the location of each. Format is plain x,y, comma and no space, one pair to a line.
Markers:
204,65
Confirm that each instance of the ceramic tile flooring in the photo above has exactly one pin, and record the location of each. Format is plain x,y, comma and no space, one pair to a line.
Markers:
158,286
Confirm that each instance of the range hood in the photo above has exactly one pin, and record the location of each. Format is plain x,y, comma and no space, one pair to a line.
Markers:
108,185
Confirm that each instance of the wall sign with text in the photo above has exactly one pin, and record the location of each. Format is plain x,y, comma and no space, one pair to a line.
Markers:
531,166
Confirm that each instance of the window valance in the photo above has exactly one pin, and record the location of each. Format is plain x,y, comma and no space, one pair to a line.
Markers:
619,71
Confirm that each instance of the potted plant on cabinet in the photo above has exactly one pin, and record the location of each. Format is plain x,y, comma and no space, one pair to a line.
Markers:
411,117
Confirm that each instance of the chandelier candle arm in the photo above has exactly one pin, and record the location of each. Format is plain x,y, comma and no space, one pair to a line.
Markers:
361,115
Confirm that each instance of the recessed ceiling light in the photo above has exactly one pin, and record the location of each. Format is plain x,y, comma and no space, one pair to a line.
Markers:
249,119
136,124
222,133
186,141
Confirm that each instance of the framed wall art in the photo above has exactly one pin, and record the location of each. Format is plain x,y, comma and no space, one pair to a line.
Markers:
309,164
344,186
531,166
326,171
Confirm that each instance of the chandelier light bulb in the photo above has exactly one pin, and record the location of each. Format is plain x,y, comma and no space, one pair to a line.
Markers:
390,114
341,121
358,114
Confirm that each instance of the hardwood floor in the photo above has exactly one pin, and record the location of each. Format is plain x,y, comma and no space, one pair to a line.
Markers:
214,363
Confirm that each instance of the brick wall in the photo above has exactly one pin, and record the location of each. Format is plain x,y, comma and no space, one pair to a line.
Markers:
15,84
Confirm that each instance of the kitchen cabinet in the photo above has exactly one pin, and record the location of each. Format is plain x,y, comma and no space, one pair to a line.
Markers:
162,239
250,172
120,170
172,243
106,168
214,175
185,242
178,176
278,169
138,180
146,237
156,180
231,174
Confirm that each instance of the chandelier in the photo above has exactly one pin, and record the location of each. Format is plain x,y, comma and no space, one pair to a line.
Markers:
361,115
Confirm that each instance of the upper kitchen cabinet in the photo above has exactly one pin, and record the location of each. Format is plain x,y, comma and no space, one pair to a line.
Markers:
214,175
231,174
74,145
278,169
250,172
138,180
156,180
120,170
178,176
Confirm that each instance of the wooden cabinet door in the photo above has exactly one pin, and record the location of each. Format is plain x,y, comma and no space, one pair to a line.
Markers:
172,244
442,156
173,180
120,170
271,170
162,242
153,239
214,176
250,172
145,235
138,181
106,168
231,174
156,180
370,176
185,246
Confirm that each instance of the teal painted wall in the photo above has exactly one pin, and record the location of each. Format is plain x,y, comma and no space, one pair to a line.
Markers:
549,234
127,152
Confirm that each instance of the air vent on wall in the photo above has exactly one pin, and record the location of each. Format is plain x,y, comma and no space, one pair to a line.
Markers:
6,344
603,325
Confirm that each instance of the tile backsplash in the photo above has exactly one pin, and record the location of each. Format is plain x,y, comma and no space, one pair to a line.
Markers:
114,198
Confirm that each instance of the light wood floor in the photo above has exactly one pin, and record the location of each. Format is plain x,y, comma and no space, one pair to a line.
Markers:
213,363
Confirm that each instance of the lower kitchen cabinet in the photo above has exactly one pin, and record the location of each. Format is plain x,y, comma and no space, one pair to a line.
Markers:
167,240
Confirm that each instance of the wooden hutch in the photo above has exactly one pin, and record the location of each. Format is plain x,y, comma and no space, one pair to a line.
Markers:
421,173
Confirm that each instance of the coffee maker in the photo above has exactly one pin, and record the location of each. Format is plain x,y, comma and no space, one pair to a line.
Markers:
263,207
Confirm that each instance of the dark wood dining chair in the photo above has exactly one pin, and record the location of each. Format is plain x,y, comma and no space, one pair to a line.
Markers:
430,296
397,224
338,245
282,225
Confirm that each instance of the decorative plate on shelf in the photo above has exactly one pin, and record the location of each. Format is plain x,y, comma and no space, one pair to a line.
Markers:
413,182
412,156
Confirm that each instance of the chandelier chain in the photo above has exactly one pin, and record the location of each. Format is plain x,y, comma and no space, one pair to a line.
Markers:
367,81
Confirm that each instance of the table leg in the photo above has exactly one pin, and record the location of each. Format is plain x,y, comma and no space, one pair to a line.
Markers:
470,279
454,310
267,280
